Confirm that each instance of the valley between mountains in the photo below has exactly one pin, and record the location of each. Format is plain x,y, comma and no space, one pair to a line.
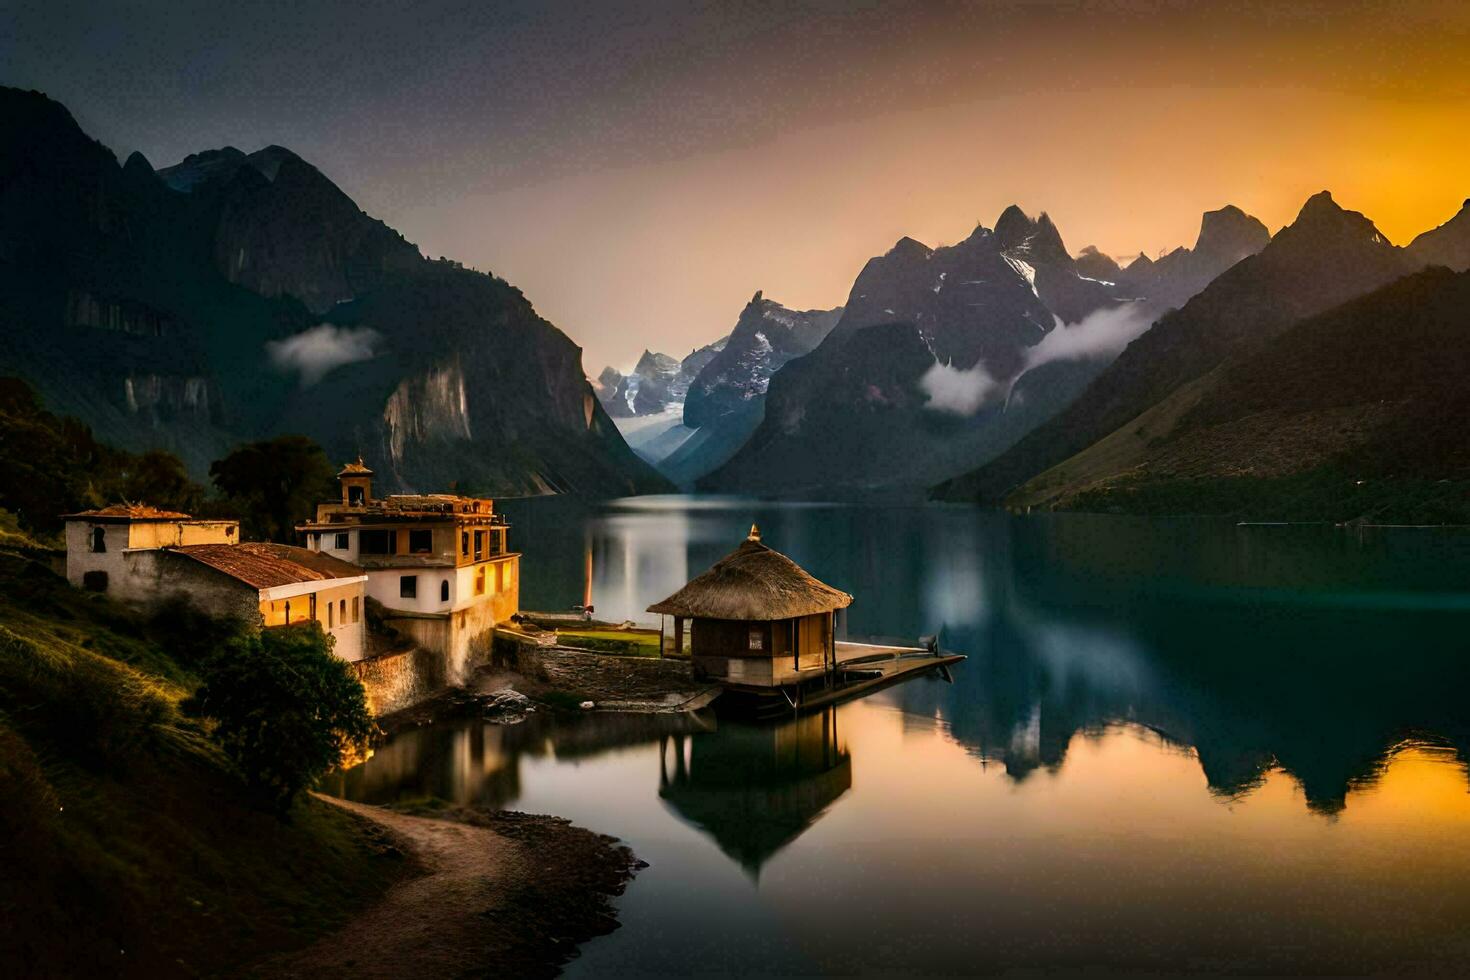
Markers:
1306,374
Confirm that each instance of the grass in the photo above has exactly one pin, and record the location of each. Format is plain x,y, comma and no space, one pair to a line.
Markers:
1323,494
620,642
130,846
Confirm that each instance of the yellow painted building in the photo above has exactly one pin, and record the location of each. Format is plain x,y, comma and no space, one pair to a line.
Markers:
147,557
440,564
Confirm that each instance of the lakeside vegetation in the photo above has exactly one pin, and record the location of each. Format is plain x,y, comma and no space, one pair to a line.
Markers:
135,847
52,464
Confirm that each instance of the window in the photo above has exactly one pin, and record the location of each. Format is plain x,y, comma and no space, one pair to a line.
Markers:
480,580
355,609
444,591
342,612
500,577
420,542
329,616
94,581
408,587
464,543
99,540
496,537
288,612
757,640
341,541
375,542
311,606
355,497
479,545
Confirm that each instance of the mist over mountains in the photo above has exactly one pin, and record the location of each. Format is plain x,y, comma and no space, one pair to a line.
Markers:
1138,426
238,295
234,296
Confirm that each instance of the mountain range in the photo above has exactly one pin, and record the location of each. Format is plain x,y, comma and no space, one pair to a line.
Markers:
945,356
708,404
235,296
1171,413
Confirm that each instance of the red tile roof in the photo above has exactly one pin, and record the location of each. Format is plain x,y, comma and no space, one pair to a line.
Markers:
263,565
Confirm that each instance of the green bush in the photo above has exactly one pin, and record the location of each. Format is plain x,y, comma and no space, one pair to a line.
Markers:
284,709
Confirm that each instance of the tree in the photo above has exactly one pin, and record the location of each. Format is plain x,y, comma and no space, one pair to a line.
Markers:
51,465
284,709
274,484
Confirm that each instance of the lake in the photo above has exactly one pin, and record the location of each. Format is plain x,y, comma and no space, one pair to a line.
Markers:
1176,745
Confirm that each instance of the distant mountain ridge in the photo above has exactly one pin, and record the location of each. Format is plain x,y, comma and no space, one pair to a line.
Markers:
942,356
1334,418
261,300
714,398
1326,257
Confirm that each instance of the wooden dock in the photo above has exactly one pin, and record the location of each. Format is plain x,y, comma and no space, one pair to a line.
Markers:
862,668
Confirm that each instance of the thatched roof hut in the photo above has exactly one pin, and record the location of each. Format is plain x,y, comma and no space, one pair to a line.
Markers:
753,582
757,619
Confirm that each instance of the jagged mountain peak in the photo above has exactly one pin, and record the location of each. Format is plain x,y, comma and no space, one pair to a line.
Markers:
1013,227
1095,264
1035,239
909,248
1230,233
1323,213
1448,245
1324,227
652,364
137,163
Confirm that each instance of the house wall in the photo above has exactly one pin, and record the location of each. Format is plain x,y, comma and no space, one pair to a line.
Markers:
447,543
152,578
400,680
348,634
120,537
722,649
163,534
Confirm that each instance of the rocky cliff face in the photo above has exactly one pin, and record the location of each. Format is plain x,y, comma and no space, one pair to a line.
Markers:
120,301
281,228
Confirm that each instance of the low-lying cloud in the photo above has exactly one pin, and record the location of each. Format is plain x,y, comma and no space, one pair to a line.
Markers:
956,390
325,347
1102,333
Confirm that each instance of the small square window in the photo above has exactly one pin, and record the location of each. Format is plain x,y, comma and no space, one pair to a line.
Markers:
375,542
341,542
408,587
757,640
420,542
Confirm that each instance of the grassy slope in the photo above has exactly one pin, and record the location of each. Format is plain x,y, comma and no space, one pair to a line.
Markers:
1350,415
128,845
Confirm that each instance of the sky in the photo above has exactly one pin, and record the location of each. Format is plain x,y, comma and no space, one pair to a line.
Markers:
639,169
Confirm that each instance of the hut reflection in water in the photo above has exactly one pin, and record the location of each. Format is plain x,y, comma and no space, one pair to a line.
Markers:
755,788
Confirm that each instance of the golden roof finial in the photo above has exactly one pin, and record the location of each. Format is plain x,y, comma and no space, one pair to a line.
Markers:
755,533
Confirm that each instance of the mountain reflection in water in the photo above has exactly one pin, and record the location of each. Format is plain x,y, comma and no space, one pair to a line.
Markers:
1175,745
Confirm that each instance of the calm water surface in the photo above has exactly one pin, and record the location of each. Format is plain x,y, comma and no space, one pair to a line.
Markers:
1175,746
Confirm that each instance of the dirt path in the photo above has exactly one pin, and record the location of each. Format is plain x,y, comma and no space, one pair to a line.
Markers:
507,894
